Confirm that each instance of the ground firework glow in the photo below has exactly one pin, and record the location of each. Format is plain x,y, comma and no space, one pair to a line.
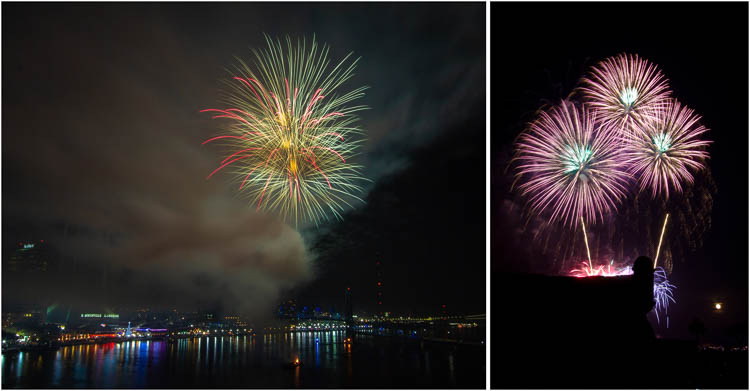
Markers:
587,270
663,289
624,89
664,151
569,165
290,136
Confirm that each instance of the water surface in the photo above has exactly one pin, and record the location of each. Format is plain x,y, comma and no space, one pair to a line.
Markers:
247,362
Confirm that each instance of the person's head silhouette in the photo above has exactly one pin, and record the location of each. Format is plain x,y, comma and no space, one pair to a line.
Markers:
643,263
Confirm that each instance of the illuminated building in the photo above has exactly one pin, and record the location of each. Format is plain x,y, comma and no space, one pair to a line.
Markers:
288,309
100,316
24,315
29,257
234,321
207,316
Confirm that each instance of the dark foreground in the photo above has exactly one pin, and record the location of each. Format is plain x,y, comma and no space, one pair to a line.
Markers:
251,362
561,332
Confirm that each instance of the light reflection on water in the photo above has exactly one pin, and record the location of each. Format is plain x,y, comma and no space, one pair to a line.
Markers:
246,361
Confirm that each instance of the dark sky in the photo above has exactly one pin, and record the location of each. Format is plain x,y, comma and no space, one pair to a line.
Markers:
538,53
102,156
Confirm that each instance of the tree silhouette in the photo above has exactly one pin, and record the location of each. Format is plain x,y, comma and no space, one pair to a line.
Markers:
698,328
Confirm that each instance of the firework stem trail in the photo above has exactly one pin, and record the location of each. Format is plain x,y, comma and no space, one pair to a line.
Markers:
586,240
656,258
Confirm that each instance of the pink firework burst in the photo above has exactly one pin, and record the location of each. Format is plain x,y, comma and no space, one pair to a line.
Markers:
624,90
666,148
569,165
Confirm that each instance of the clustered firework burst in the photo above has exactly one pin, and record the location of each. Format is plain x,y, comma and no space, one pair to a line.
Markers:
576,161
291,136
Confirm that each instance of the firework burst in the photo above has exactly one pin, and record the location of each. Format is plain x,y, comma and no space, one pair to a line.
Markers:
664,151
624,90
290,136
568,165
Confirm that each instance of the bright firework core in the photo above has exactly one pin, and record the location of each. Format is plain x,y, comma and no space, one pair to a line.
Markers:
628,97
663,142
576,159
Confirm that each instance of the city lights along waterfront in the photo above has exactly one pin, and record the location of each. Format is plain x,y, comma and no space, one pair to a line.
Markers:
274,359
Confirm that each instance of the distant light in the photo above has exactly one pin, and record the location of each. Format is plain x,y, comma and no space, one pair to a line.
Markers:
717,306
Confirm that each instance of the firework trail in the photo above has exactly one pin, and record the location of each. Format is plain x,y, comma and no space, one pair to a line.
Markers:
569,165
624,90
664,151
289,135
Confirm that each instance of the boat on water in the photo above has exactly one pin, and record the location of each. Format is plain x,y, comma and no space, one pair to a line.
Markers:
293,364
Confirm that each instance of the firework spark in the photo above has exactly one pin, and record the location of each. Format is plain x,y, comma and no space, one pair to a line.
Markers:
664,151
624,90
569,165
663,292
290,136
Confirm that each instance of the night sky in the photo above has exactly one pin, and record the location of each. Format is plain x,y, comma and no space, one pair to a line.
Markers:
102,158
538,53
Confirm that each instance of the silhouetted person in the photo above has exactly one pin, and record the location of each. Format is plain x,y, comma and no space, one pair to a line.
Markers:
643,281
643,278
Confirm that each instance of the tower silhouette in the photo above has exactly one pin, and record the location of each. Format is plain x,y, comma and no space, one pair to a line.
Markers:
348,307
379,286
